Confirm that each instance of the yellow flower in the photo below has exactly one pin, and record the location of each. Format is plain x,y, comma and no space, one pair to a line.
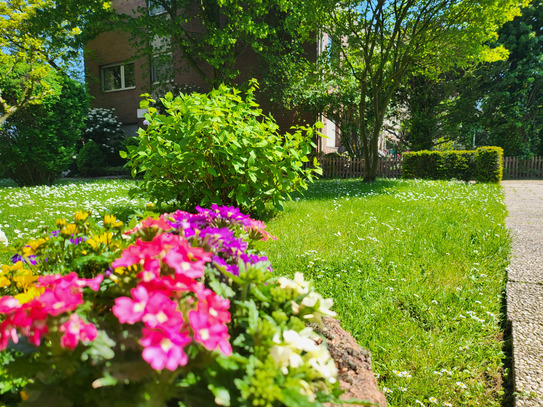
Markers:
80,215
32,246
69,229
23,395
111,220
25,279
4,281
104,238
30,294
61,223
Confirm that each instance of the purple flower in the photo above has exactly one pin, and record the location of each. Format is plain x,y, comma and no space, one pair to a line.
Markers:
228,213
146,122
255,259
17,257
223,239
188,222
220,262
77,240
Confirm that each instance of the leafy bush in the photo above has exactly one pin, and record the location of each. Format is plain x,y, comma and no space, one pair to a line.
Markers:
489,164
38,143
177,310
104,128
219,148
91,160
483,164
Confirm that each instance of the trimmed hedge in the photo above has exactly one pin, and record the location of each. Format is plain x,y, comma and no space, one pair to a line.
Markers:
484,165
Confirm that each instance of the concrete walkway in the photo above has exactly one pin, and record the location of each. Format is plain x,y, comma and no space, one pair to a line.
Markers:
524,201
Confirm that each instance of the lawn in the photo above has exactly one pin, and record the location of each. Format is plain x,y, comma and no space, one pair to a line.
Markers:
25,211
417,273
416,270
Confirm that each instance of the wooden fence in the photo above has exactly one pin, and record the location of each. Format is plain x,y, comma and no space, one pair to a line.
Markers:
391,167
343,167
518,168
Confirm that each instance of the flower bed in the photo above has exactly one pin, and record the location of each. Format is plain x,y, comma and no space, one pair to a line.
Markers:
178,310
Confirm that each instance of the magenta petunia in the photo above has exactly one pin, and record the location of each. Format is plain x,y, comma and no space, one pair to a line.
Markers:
131,310
161,312
164,349
61,299
209,332
76,330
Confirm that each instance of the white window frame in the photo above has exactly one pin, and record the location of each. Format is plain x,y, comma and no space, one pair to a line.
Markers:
122,65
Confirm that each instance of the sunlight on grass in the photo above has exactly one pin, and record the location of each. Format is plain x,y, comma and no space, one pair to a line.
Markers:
417,272
24,211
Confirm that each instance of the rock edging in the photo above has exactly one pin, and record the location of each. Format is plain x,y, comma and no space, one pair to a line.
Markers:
353,364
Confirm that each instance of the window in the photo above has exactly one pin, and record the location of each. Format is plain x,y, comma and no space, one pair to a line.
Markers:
155,8
162,68
118,77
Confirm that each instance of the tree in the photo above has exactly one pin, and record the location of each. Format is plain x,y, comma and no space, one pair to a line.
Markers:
377,44
36,38
38,143
499,103
211,36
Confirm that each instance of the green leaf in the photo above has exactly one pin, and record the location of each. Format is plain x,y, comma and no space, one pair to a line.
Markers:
222,395
293,398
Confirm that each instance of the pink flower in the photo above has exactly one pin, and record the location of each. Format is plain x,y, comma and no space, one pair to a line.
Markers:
128,310
38,327
209,333
160,223
161,312
75,330
257,227
8,328
61,299
164,349
214,305
8,304
137,254
69,281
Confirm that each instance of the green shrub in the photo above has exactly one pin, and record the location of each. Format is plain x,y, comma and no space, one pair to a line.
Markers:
489,164
483,164
91,160
38,143
219,148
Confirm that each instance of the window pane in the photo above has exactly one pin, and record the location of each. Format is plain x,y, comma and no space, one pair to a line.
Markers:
129,76
112,78
162,68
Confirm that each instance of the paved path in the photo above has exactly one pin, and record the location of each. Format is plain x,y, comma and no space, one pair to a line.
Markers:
524,201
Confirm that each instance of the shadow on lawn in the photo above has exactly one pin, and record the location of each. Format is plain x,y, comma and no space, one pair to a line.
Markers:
324,189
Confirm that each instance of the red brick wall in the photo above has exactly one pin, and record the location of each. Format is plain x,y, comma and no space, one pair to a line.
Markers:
114,47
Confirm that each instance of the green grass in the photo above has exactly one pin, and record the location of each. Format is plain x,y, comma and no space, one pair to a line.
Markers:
417,273
416,270
24,211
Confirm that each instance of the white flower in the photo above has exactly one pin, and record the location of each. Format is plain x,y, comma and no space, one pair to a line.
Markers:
3,238
298,284
324,304
461,385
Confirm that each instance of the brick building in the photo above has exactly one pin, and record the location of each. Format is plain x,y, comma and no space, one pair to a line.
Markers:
117,79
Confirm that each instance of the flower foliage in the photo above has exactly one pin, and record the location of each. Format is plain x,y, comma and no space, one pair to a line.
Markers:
180,308
219,148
